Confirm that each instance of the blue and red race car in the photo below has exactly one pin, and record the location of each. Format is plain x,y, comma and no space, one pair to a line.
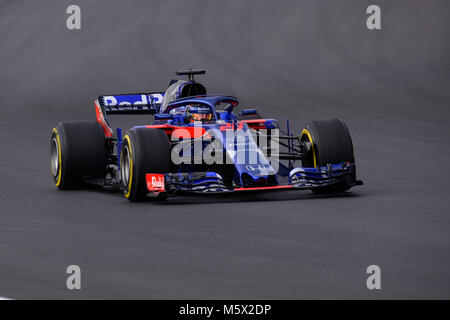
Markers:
198,143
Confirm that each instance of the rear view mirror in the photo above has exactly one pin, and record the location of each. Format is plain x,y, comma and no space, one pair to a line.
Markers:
163,116
249,111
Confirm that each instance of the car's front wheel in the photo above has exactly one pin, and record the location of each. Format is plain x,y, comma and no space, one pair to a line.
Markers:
143,151
330,143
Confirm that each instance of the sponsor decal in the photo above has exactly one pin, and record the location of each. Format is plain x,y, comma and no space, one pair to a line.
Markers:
155,182
132,101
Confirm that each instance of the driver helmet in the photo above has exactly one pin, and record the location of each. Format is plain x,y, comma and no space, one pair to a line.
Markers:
199,113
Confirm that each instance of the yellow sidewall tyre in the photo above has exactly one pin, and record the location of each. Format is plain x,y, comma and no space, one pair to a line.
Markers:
330,143
144,150
78,152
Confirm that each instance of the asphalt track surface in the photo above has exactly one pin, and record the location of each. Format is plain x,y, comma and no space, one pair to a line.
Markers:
303,60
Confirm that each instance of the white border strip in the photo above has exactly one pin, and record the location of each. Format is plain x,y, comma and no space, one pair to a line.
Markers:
3,298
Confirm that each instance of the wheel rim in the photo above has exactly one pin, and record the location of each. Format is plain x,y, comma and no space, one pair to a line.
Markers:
125,166
312,158
55,157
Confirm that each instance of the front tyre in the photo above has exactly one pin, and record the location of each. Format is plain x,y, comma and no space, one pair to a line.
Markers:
330,143
143,151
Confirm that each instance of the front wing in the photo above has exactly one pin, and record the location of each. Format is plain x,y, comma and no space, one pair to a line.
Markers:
211,182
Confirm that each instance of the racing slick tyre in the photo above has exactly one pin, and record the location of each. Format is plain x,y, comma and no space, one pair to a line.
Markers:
330,143
77,151
143,151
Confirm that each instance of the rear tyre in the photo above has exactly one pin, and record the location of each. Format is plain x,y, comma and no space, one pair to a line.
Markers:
143,151
330,143
77,151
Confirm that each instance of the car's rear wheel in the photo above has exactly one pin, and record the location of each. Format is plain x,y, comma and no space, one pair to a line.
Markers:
77,152
143,151
330,143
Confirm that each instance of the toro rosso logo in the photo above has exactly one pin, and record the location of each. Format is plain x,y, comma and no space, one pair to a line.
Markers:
155,182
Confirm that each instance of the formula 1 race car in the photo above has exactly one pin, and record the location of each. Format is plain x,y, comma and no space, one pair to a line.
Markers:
197,143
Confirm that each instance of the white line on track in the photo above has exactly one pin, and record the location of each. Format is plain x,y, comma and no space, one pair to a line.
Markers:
3,298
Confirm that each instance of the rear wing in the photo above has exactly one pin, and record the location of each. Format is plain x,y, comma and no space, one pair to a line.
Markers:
138,103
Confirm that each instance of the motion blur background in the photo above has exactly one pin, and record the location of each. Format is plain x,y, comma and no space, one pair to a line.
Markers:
299,59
